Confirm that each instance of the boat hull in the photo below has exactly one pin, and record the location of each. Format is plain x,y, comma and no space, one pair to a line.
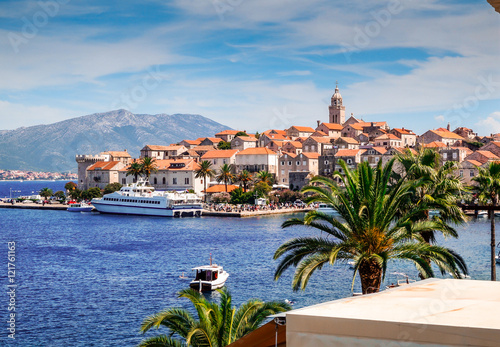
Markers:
147,211
206,286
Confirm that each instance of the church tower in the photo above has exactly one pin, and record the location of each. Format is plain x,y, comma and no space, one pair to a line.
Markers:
336,109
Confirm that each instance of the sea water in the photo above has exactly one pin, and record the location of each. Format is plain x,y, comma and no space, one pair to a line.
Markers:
85,279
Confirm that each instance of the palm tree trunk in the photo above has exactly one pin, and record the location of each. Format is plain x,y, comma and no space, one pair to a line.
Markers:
493,264
225,184
205,185
370,274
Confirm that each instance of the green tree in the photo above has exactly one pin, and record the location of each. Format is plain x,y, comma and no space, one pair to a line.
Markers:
46,193
112,187
70,186
60,195
217,325
224,145
257,135
203,171
488,188
238,196
244,177
225,174
135,169
261,189
266,177
148,165
91,193
371,233
241,133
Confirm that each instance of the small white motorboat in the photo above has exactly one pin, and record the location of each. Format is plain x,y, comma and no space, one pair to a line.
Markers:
209,277
325,208
80,207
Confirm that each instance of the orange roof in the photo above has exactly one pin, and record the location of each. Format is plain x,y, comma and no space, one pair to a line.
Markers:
333,126
303,129
258,151
118,153
435,144
228,132
192,142
474,162
488,154
348,140
447,134
246,138
387,137
213,139
226,153
293,155
319,133
295,144
404,131
356,126
276,136
310,155
219,188
347,152
103,165
321,139
281,132
156,148
203,148
381,150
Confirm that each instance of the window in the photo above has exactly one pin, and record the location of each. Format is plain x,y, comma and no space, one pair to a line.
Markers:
326,162
124,181
224,161
304,162
298,162
445,155
313,148
156,180
471,173
186,180
349,161
174,180
306,147
461,173
215,161
283,163
282,172
164,180
454,155
377,159
290,163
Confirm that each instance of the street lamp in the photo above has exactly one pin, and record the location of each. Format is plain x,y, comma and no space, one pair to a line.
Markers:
13,191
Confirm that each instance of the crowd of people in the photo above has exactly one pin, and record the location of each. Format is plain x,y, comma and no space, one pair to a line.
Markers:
254,208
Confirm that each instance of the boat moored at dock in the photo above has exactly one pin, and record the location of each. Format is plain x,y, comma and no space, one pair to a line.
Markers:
140,198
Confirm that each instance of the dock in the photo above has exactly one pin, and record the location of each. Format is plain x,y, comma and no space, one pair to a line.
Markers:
33,206
245,214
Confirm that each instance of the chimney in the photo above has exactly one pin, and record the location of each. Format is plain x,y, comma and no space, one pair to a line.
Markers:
448,127
319,122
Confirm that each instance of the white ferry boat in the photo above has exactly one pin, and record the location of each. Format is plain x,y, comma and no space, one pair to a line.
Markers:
141,199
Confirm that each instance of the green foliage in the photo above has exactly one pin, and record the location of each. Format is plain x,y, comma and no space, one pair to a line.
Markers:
477,144
241,133
135,169
266,177
225,174
286,195
70,186
224,145
217,324
257,135
203,171
91,193
191,191
261,189
46,193
148,165
244,177
376,225
112,187
60,195
238,196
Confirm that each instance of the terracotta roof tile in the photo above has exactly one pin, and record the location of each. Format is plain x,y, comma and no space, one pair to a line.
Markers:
348,140
387,137
219,188
103,165
228,132
347,152
257,151
226,153
310,155
333,126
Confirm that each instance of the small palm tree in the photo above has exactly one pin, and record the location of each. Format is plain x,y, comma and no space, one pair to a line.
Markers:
217,324
46,193
371,232
225,174
244,177
265,177
204,171
134,169
148,165
488,188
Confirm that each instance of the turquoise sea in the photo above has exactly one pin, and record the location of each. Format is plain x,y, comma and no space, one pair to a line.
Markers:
89,280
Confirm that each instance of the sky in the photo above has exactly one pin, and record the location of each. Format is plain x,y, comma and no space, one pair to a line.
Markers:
252,64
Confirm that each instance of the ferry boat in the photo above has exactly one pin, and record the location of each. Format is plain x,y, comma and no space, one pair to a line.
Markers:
140,198
209,277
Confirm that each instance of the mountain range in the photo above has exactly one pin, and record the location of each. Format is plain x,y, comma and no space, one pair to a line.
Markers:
53,147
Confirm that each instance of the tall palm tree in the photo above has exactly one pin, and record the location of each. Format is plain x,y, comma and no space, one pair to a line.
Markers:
46,193
372,231
148,165
488,188
134,169
217,324
225,174
204,171
265,176
244,177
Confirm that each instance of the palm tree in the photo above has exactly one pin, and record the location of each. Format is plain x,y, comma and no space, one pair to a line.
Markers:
265,176
46,193
225,174
217,324
204,171
148,165
135,169
488,188
372,233
244,177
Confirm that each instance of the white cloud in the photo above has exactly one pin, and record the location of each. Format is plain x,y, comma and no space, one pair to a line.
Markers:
490,125
439,118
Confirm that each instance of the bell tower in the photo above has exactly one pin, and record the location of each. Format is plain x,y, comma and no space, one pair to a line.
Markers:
336,109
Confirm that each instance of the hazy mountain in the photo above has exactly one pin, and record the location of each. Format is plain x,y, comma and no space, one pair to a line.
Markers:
53,147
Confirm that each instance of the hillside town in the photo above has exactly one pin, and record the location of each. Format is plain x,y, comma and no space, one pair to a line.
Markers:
293,156
6,175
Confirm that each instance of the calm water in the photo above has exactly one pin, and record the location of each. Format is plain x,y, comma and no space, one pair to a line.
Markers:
89,280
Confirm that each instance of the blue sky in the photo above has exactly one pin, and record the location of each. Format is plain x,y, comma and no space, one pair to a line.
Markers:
252,65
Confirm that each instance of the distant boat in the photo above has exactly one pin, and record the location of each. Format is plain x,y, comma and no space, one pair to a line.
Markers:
209,277
325,208
80,207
